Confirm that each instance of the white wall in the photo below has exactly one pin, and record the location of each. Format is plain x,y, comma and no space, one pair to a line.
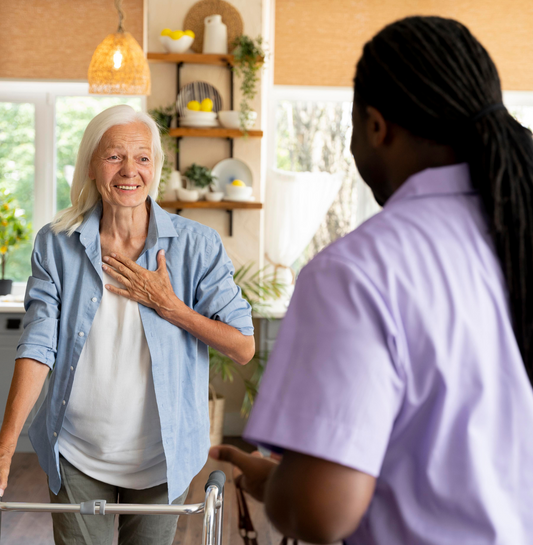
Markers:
246,245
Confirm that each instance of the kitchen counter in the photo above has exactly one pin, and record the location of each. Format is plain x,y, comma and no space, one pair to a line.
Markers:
12,303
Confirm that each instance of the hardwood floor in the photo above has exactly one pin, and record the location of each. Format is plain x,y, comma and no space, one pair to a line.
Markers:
27,483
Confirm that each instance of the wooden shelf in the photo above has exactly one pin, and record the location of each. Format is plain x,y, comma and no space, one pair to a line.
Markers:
212,133
192,58
214,59
222,205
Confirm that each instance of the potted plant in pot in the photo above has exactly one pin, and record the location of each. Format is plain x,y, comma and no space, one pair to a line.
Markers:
13,231
201,178
248,58
257,289
163,116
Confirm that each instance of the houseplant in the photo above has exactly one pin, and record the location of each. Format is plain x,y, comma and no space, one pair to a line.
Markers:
200,177
248,58
13,231
257,289
163,116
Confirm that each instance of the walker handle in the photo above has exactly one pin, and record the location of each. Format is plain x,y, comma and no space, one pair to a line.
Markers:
218,479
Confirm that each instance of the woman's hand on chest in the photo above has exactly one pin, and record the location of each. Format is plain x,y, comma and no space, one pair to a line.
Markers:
149,288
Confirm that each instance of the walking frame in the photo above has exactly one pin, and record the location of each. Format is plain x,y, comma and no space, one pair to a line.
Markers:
212,508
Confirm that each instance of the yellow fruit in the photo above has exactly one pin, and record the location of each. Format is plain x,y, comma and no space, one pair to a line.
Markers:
166,32
3,250
193,105
177,34
206,105
238,183
190,33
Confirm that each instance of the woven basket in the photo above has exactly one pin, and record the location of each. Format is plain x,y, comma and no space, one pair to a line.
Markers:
216,417
194,20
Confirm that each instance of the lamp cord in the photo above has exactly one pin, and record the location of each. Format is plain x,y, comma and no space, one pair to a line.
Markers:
118,5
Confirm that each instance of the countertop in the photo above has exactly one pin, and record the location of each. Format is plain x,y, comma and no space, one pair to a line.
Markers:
12,303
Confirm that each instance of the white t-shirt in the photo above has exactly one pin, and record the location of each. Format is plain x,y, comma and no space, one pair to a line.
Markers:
111,429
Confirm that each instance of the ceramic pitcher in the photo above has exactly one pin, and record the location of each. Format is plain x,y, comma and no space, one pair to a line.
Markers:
215,35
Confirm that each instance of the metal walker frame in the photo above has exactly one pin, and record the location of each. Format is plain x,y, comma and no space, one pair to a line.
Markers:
212,508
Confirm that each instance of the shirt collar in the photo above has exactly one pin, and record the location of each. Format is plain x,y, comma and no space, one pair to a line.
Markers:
159,226
448,180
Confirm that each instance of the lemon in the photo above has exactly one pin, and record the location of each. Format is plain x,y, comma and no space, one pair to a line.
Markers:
193,105
166,32
177,34
238,183
190,33
206,105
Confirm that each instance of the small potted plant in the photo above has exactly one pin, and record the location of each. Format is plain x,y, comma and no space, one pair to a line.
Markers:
201,178
163,116
248,58
13,231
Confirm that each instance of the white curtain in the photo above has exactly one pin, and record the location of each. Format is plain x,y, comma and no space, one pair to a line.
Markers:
296,203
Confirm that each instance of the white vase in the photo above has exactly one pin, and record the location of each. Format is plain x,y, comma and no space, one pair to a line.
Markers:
215,35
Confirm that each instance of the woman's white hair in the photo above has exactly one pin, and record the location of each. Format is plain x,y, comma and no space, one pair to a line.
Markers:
83,193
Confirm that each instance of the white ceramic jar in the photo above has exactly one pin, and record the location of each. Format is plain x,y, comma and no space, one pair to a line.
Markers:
215,35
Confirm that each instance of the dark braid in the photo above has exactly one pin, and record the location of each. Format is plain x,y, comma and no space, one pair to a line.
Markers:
432,77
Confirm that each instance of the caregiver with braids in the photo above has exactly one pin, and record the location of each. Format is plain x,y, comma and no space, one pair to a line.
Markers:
399,390
122,304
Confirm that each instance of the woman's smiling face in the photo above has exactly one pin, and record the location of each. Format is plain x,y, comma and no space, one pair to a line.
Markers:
123,165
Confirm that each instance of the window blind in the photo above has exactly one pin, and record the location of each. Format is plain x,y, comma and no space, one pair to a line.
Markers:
55,39
318,42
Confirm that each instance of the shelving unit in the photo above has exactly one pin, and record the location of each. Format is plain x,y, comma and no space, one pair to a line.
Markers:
189,132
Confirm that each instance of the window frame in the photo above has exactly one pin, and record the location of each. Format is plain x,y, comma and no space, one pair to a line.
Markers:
43,95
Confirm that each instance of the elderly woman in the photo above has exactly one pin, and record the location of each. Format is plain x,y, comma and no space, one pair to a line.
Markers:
123,302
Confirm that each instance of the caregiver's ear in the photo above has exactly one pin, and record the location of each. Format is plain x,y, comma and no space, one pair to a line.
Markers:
376,127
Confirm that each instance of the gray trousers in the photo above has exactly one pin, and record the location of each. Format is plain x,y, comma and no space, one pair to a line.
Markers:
75,529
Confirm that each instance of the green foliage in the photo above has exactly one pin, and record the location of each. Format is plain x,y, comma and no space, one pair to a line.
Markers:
201,177
249,57
17,160
256,289
163,116
13,227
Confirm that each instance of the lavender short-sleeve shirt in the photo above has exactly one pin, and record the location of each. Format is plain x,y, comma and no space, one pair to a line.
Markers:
397,358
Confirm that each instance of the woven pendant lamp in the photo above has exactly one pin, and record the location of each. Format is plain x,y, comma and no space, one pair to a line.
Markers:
118,65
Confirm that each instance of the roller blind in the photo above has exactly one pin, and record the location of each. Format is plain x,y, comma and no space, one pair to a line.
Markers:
55,39
318,42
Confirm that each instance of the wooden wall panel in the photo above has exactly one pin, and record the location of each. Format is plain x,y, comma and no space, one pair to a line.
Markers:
318,42
55,39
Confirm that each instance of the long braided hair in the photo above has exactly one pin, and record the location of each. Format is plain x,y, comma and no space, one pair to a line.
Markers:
432,77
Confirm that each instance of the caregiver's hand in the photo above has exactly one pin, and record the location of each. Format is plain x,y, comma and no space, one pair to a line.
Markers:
253,471
150,288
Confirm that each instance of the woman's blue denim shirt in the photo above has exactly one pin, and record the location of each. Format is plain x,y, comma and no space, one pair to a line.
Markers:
62,297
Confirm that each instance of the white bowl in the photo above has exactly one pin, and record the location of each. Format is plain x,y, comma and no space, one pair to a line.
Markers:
231,119
176,46
199,114
187,195
238,192
214,197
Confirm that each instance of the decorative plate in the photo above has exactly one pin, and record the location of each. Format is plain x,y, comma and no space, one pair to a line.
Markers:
231,169
197,90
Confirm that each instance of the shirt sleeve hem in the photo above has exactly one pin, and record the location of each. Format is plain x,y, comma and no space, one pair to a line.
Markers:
47,357
315,436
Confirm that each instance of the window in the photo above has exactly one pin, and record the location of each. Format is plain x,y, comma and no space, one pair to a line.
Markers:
312,130
41,125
